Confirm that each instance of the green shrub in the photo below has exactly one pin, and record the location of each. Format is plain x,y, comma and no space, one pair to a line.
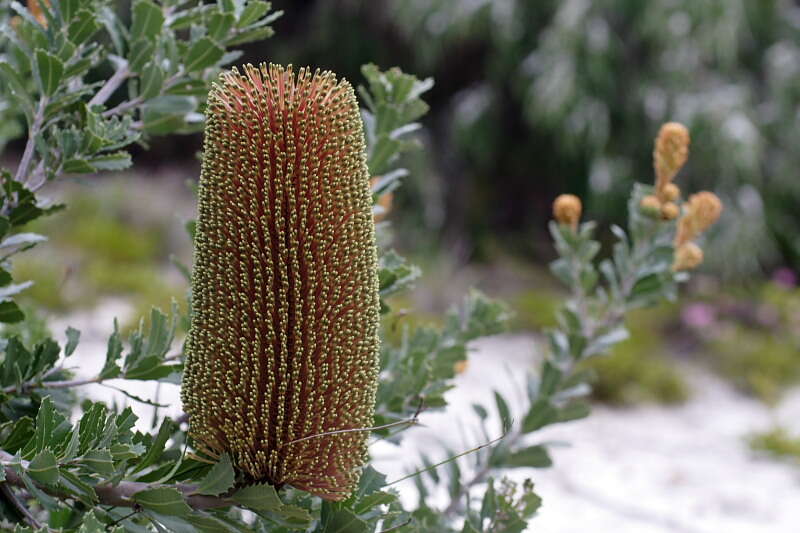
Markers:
535,309
638,370
759,362
49,278
777,443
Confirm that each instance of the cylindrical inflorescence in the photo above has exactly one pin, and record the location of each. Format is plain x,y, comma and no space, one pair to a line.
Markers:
283,346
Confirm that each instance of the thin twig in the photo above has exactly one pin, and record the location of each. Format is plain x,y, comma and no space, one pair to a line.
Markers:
119,495
136,102
29,518
33,132
61,384
407,422
124,106
111,85
449,459
67,384
398,526
120,520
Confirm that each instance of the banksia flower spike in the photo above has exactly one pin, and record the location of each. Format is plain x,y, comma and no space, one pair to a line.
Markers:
567,210
669,155
282,355
702,210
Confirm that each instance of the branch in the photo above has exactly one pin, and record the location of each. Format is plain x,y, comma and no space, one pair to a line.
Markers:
124,106
66,384
111,85
449,459
33,132
19,506
136,102
121,494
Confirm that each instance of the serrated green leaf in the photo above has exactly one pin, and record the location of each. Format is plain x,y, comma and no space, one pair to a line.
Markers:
77,166
205,523
171,524
115,161
122,452
90,524
219,479
148,20
540,414
43,468
99,461
171,103
344,521
373,500
111,369
219,26
46,421
502,410
73,445
78,488
83,27
164,501
261,497
203,53
532,456
157,447
73,337
574,411
249,36
49,71
21,433
17,86
152,81
254,10
141,53
47,501
10,313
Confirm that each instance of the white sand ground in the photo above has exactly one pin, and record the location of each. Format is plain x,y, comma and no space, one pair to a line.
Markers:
641,470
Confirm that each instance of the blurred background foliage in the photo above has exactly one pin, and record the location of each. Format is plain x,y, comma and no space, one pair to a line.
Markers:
538,98
531,99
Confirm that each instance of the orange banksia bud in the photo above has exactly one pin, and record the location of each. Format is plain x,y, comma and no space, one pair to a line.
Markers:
282,355
703,209
650,205
35,9
687,256
670,211
567,210
670,154
670,192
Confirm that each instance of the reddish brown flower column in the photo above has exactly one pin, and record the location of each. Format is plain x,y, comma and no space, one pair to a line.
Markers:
283,343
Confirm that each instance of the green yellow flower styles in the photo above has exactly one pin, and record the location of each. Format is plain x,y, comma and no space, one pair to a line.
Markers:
282,355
